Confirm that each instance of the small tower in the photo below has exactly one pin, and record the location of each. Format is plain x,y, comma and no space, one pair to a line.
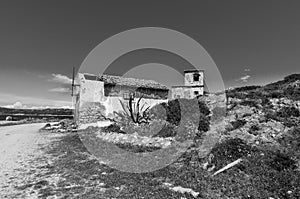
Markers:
193,81
193,85
193,77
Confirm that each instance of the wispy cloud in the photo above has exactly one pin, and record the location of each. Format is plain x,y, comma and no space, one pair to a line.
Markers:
18,105
59,78
29,102
245,78
60,90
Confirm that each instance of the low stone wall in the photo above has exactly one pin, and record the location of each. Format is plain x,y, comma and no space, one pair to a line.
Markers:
91,112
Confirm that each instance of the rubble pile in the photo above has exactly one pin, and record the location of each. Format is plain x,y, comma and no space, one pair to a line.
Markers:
135,139
258,127
284,102
61,127
91,112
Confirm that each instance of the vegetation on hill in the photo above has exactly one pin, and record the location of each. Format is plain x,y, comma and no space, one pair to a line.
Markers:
289,87
50,111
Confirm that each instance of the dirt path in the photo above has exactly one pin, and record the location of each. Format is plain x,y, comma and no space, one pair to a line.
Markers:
19,149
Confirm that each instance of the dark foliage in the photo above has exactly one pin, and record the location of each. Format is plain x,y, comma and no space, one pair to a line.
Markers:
192,110
265,102
246,88
276,94
168,130
250,103
253,129
291,142
288,112
52,111
112,128
229,151
203,123
282,162
237,124
292,92
137,149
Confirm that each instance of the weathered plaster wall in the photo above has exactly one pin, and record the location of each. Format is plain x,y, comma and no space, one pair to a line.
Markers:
91,112
177,92
91,91
199,89
118,91
189,78
91,96
113,103
185,92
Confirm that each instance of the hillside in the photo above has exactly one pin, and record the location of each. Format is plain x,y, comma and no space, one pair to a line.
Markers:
35,115
8,111
288,88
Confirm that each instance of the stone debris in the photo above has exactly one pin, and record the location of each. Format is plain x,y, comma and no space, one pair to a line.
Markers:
181,189
61,127
135,139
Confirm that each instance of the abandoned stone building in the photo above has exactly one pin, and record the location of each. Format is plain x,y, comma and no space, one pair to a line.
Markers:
193,85
109,90
104,93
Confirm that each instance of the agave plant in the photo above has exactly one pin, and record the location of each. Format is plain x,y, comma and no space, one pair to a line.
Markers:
138,114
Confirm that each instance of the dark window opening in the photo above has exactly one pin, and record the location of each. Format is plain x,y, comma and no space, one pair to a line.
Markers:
196,77
196,92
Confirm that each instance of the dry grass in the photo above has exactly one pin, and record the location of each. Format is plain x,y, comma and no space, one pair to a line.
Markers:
259,176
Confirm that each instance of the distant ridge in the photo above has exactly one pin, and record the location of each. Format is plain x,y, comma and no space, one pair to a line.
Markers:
289,87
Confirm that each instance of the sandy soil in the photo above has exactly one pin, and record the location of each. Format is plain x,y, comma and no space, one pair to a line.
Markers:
19,150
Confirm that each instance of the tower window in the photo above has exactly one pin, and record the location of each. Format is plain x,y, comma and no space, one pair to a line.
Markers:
196,77
196,92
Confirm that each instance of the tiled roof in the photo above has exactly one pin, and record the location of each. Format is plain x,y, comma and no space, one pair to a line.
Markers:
131,82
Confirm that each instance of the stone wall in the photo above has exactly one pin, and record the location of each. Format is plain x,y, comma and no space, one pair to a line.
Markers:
186,92
91,112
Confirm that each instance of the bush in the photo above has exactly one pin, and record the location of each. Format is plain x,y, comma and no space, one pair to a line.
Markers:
174,109
203,123
282,162
237,124
287,112
292,93
265,102
112,128
137,148
168,130
291,142
229,151
250,103
276,94
253,129
159,111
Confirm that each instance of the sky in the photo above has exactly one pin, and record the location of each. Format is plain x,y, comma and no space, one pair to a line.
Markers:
251,42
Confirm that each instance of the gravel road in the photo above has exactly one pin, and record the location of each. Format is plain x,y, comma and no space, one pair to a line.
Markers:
19,150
